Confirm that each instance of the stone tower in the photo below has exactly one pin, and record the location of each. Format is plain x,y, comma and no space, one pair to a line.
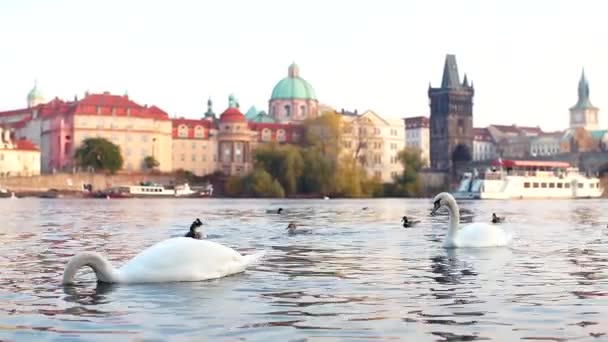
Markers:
584,114
451,119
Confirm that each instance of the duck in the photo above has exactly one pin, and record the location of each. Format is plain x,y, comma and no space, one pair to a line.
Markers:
273,211
195,231
496,219
175,259
292,229
407,223
477,234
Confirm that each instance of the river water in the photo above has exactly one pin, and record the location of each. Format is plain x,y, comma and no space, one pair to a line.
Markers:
359,276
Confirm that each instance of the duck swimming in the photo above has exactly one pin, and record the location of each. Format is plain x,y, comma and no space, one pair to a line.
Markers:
496,219
476,234
195,231
171,260
407,223
292,229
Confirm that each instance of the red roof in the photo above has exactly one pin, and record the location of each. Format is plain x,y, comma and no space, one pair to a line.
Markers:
290,130
417,122
518,129
530,163
482,134
232,115
103,104
191,124
24,144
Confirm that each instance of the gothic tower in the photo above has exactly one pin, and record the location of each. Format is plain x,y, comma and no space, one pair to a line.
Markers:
451,119
584,114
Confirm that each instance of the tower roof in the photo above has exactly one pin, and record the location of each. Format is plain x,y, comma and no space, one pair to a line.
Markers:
583,93
293,86
450,73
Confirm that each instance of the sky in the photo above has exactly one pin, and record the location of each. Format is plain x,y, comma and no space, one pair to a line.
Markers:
524,57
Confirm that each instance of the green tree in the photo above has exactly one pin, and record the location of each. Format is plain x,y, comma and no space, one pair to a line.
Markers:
151,163
408,183
263,185
325,132
100,154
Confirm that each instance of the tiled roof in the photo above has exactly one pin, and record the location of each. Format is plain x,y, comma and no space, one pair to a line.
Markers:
191,124
24,144
482,134
416,122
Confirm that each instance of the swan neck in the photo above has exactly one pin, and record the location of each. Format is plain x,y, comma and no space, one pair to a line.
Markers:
454,217
104,271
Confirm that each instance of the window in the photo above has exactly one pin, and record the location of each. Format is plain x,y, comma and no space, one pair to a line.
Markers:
393,146
287,111
204,158
199,132
591,185
543,185
460,127
376,130
535,185
98,110
551,185
393,132
526,184
193,145
266,134
377,174
182,131
303,111
560,185
567,185
183,157
580,185
193,158
281,135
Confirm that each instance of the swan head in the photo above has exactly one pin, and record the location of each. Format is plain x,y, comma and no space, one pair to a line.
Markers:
442,199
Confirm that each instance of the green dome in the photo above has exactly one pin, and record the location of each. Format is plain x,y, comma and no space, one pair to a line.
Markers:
35,94
293,87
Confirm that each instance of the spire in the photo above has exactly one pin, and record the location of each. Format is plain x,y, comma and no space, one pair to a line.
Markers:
209,114
450,73
583,93
465,82
294,70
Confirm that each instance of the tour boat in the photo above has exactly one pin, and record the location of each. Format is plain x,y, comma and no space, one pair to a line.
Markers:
157,190
521,179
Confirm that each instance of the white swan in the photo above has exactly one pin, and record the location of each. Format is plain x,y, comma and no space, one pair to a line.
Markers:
476,234
174,259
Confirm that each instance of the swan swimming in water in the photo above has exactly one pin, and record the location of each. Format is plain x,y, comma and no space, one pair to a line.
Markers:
171,260
476,234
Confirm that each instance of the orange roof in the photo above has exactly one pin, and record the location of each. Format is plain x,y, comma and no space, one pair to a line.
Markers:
416,122
191,124
24,144
232,115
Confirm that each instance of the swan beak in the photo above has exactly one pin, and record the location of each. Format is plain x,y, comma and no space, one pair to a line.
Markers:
436,207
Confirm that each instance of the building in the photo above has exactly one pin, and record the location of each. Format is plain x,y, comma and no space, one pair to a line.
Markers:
59,127
194,146
583,114
235,141
484,146
547,144
451,118
293,98
374,142
417,136
513,141
18,157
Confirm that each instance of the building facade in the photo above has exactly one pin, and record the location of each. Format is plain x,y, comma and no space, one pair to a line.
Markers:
451,118
417,135
583,114
374,142
59,127
546,144
18,157
194,146
484,146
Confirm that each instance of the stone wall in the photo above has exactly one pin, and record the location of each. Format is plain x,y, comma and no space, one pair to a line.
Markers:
74,181
434,182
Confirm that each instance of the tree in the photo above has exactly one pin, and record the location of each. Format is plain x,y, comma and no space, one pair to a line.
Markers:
100,154
151,163
409,182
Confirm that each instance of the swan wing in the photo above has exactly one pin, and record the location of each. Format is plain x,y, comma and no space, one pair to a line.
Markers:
481,234
184,259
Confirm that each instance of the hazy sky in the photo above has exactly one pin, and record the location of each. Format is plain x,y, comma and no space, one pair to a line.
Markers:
524,57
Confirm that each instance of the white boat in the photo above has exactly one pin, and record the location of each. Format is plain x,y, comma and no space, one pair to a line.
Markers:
157,190
525,179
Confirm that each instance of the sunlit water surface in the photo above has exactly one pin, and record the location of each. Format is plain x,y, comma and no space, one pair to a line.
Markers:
358,276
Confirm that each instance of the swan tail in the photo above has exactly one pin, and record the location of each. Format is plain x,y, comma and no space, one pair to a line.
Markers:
253,258
100,265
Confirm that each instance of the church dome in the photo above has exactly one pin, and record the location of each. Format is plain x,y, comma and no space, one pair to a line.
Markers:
35,97
232,114
293,87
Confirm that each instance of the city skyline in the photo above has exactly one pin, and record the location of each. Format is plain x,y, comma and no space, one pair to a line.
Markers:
525,59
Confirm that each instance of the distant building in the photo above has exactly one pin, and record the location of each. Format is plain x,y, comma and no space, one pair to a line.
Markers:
194,146
375,142
18,157
484,146
583,114
451,118
293,99
547,144
513,141
417,136
59,127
